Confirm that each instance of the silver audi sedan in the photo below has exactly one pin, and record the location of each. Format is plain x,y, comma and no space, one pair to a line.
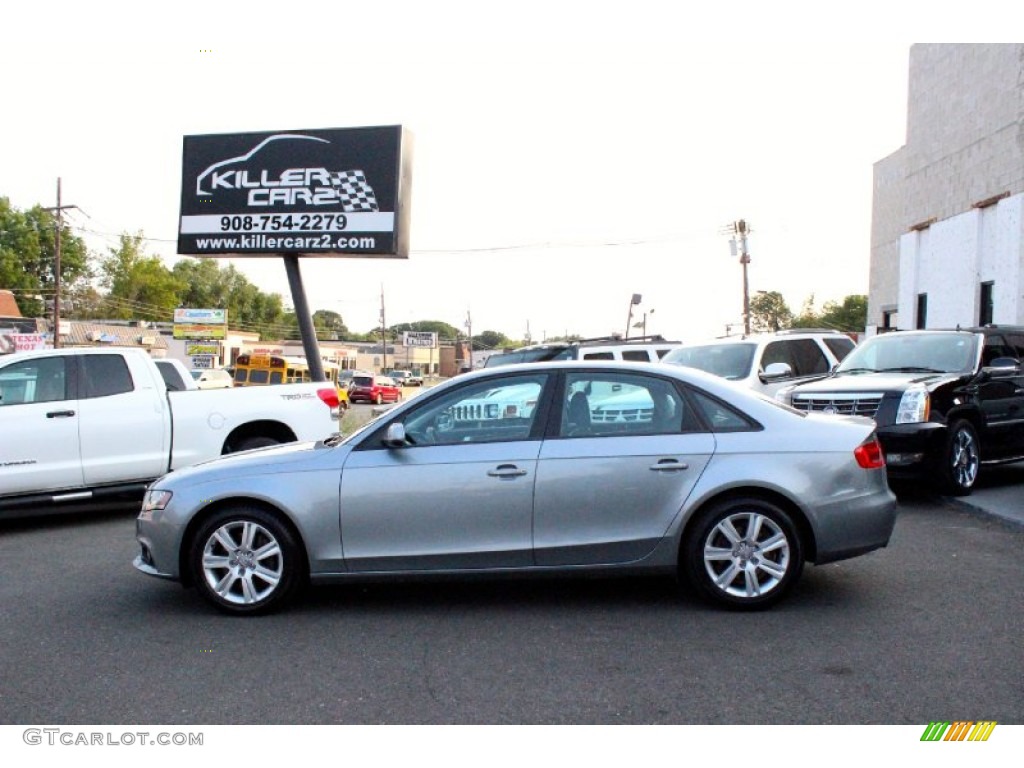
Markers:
544,468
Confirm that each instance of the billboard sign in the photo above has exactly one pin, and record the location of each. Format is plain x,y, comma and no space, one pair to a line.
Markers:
205,316
199,331
330,192
419,339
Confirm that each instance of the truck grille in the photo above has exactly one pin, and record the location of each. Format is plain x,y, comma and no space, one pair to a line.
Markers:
859,404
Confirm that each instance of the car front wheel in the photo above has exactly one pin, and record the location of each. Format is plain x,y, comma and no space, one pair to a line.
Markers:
961,459
743,553
245,561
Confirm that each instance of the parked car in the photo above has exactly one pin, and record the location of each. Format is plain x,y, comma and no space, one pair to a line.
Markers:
731,490
946,402
373,389
401,378
213,378
768,362
639,349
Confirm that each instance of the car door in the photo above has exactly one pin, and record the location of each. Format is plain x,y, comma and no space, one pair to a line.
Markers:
123,421
1001,396
459,495
39,446
627,452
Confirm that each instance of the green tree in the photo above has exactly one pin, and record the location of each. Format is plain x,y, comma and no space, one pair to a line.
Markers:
444,331
769,312
490,340
139,286
851,314
208,285
28,255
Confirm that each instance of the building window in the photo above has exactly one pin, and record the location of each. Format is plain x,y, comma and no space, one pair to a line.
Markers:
922,310
985,308
888,320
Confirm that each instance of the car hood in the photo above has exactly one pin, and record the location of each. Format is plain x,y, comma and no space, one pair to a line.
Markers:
290,457
875,382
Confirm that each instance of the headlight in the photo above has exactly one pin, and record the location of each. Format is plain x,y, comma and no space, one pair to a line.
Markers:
915,406
153,500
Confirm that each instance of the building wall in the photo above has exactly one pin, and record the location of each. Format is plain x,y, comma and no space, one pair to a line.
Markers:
965,145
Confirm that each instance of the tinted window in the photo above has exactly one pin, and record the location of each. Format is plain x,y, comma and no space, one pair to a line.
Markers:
635,355
1016,341
259,377
241,376
171,376
33,381
362,381
105,375
808,357
599,356
839,347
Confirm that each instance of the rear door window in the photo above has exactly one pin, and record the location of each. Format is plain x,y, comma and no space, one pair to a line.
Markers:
106,375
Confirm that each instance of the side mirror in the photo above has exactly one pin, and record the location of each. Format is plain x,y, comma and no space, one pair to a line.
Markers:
776,372
394,437
1002,367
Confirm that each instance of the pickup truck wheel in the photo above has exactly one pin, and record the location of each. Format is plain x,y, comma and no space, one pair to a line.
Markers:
244,561
260,441
960,459
743,553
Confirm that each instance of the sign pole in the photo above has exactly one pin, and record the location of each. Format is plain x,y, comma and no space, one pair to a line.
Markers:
306,328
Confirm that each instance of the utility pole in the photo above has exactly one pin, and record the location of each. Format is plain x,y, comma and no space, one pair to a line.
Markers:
383,332
741,228
56,266
469,330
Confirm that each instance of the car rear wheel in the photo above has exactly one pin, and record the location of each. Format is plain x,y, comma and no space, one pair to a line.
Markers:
961,459
260,441
245,561
743,553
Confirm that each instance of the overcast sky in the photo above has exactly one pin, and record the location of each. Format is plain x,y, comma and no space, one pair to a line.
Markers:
566,155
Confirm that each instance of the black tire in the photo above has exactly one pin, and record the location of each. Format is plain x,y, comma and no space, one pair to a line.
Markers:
743,553
227,576
259,441
960,459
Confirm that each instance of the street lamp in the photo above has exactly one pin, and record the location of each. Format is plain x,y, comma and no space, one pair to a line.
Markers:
632,303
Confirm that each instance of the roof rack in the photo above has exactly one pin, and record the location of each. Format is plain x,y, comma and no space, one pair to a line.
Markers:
653,339
787,331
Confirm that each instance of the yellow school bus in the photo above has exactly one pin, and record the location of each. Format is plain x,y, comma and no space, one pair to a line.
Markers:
257,370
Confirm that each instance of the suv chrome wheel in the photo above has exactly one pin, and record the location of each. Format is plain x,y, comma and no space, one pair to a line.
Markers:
962,459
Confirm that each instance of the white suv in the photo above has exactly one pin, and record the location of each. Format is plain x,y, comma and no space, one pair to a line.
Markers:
767,362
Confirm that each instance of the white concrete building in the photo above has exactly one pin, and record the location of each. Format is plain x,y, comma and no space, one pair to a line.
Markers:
947,233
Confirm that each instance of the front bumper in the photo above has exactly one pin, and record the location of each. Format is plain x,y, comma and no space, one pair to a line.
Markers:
911,450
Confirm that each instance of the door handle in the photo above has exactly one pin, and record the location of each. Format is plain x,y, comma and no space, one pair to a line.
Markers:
59,414
506,470
669,465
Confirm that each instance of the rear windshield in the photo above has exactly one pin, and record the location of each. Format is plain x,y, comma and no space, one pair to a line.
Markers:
362,381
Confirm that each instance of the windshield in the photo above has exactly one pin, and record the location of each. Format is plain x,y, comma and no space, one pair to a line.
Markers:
530,355
730,361
913,352
362,381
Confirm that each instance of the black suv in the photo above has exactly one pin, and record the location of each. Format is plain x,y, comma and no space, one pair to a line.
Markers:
945,401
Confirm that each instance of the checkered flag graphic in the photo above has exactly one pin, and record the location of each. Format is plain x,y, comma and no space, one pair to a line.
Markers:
356,195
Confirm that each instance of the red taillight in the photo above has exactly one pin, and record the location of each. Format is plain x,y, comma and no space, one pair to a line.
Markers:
329,396
869,455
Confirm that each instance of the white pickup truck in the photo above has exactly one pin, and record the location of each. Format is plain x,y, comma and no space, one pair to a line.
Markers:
82,428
